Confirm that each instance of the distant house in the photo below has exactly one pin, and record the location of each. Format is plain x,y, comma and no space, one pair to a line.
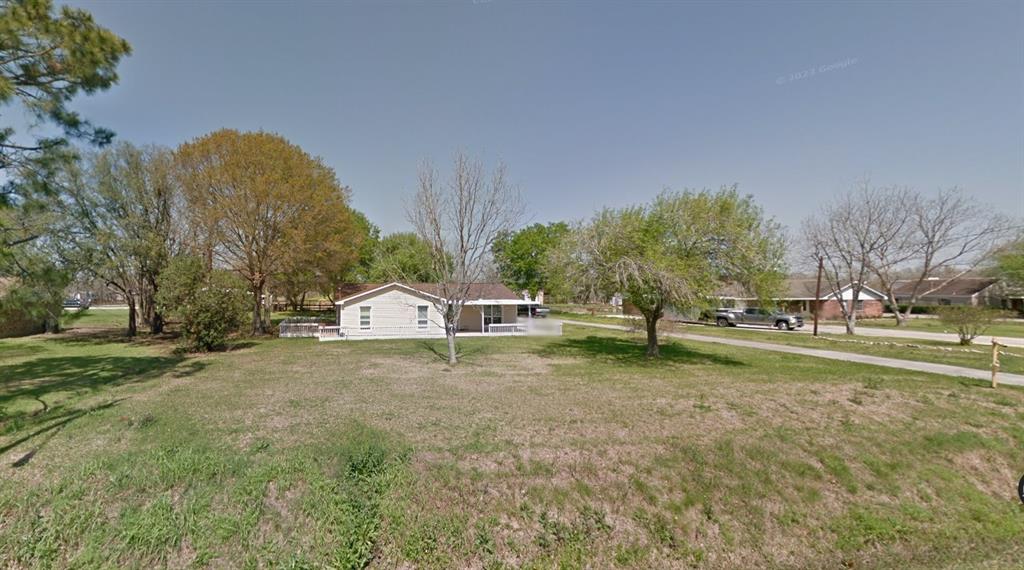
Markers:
798,297
974,291
407,310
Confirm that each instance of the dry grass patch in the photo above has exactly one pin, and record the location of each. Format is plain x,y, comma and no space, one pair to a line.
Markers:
573,451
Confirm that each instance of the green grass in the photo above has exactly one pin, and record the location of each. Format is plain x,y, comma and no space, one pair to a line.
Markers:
95,318
574,451
928,324
940,352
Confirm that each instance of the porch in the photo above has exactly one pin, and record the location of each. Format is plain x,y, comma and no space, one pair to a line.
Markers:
526,327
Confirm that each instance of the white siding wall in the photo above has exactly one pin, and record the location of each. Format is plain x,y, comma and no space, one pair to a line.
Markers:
847,294
392,314
469,319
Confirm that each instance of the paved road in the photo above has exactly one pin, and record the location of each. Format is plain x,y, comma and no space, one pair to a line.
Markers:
1007,379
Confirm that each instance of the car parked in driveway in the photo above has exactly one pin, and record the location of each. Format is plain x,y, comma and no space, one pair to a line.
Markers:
762,317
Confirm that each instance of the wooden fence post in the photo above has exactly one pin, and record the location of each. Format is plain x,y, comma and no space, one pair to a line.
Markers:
995,362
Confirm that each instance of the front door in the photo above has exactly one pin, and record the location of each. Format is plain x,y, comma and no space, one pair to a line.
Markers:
492,315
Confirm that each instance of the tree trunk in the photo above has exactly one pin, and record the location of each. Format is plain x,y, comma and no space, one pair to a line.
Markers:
851,316
267,310
906,313
901,320
157,326
257,309
652,335
452,356
52,323
133,318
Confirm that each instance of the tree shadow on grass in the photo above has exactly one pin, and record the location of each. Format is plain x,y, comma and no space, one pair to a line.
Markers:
624,351
79,375
440,351
112,335
57,421
10,351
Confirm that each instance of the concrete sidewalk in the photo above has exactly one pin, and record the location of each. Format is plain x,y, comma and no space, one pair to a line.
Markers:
921,335
932,368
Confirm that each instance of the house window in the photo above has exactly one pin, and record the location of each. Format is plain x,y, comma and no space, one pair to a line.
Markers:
421,316
364,317
860,304
492,315
945,302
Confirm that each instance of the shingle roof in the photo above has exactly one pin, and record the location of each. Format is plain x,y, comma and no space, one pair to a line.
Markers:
791,290
494,291
960,287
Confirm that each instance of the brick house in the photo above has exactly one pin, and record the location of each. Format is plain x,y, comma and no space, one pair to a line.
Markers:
962,291
798,297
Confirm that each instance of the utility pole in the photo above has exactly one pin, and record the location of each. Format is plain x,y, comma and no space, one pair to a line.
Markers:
817,294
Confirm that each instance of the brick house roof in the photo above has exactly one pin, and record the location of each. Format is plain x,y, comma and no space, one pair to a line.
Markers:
791,290
960,287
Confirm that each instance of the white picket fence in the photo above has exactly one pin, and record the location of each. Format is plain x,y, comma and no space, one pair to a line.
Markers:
298,330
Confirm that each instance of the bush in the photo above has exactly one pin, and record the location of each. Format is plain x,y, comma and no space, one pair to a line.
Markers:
209,304
918,309
969,322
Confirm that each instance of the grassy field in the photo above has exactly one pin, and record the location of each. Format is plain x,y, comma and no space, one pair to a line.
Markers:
940,352
95,318
534,452
925,324
980,356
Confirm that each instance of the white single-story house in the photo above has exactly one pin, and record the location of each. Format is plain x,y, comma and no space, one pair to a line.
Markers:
409,310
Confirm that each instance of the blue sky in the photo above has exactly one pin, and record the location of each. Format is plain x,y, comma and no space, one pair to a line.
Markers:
593,104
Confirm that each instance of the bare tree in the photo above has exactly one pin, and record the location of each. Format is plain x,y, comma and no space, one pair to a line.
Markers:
851,234
948,235
902,240
460,219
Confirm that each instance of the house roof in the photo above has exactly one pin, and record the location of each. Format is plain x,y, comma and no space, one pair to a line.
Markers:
477,291
791,290
959,287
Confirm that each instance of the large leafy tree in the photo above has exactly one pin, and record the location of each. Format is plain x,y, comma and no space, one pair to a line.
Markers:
522,256
48,57
261,206
1009,263
370,238
402,256
121,222
675,252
